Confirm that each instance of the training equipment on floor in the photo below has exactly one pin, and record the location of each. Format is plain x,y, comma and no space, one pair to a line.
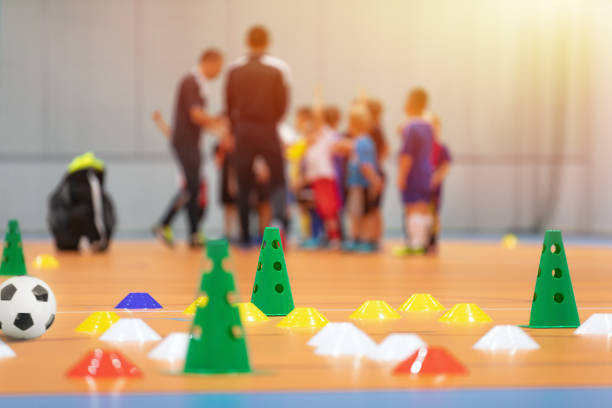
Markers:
303,318
509,241
102,363
599,324
6,351
375,310
465,313
345,340
553,303
201,301
217,344
138,300
130,331
45,261
97,323
506,338
430,361
421,302
79,207
249,313
271,290
172,349
27,307
13,260
397,347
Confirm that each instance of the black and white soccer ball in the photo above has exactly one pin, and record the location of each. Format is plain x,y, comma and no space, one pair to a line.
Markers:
27,307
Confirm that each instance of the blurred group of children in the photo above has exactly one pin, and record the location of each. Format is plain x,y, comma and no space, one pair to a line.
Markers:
337,178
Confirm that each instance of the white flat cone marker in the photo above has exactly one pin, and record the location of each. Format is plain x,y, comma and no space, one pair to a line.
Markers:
348,340
172,349
397,347
6,351
130,330
327,333
506,338
599,324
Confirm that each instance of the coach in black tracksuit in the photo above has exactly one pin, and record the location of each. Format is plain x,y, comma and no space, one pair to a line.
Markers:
257,94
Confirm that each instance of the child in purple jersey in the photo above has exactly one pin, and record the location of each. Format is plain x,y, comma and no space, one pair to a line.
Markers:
414,174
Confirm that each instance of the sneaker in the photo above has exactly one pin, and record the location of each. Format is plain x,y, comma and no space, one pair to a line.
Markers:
407,251
365,248
311,243
350,246
164,234
197,240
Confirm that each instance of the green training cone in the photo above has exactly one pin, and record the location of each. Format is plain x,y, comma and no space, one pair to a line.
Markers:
217,344
554,305
272,291
13,261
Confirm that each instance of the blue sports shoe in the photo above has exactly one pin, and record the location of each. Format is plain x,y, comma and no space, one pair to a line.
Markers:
366,248
350,246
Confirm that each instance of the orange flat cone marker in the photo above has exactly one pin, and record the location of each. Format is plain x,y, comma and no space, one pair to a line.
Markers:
430,361
101,363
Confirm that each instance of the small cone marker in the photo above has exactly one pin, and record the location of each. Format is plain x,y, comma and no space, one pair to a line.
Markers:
172,349
421,302
465,313
271,290
12,262
249,313
375,310
138,300
217,343
346,340
102,363
509,241
303,318
553,304
599,324
201,301
6,351
45,261
130,330
397,347
430,361
506,338
97,323
327,333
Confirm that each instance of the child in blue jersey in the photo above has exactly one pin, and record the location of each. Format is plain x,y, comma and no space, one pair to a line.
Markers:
414,173
363,181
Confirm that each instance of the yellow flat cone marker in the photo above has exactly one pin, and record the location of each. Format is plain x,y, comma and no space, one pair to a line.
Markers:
97,323
303,318
375,310
45,261
421,302
199,302
465,313
249,313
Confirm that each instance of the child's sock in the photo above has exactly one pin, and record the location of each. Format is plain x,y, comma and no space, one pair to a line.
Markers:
419,226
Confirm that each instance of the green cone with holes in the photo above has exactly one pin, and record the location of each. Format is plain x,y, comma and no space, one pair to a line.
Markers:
272,291
13,261
553,304
217,344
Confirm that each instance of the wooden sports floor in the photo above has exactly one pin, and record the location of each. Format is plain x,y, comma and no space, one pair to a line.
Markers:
499,280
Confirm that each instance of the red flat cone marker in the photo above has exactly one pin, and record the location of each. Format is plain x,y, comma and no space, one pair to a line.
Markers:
430,361
101,363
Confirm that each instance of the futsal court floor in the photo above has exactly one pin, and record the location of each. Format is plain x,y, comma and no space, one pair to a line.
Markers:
568,370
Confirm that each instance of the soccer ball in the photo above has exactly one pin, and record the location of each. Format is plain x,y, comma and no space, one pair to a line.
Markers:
27,307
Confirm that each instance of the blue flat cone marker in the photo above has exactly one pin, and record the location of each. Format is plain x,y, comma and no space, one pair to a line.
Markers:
271,290
12,262
553,304
138,300
217,344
